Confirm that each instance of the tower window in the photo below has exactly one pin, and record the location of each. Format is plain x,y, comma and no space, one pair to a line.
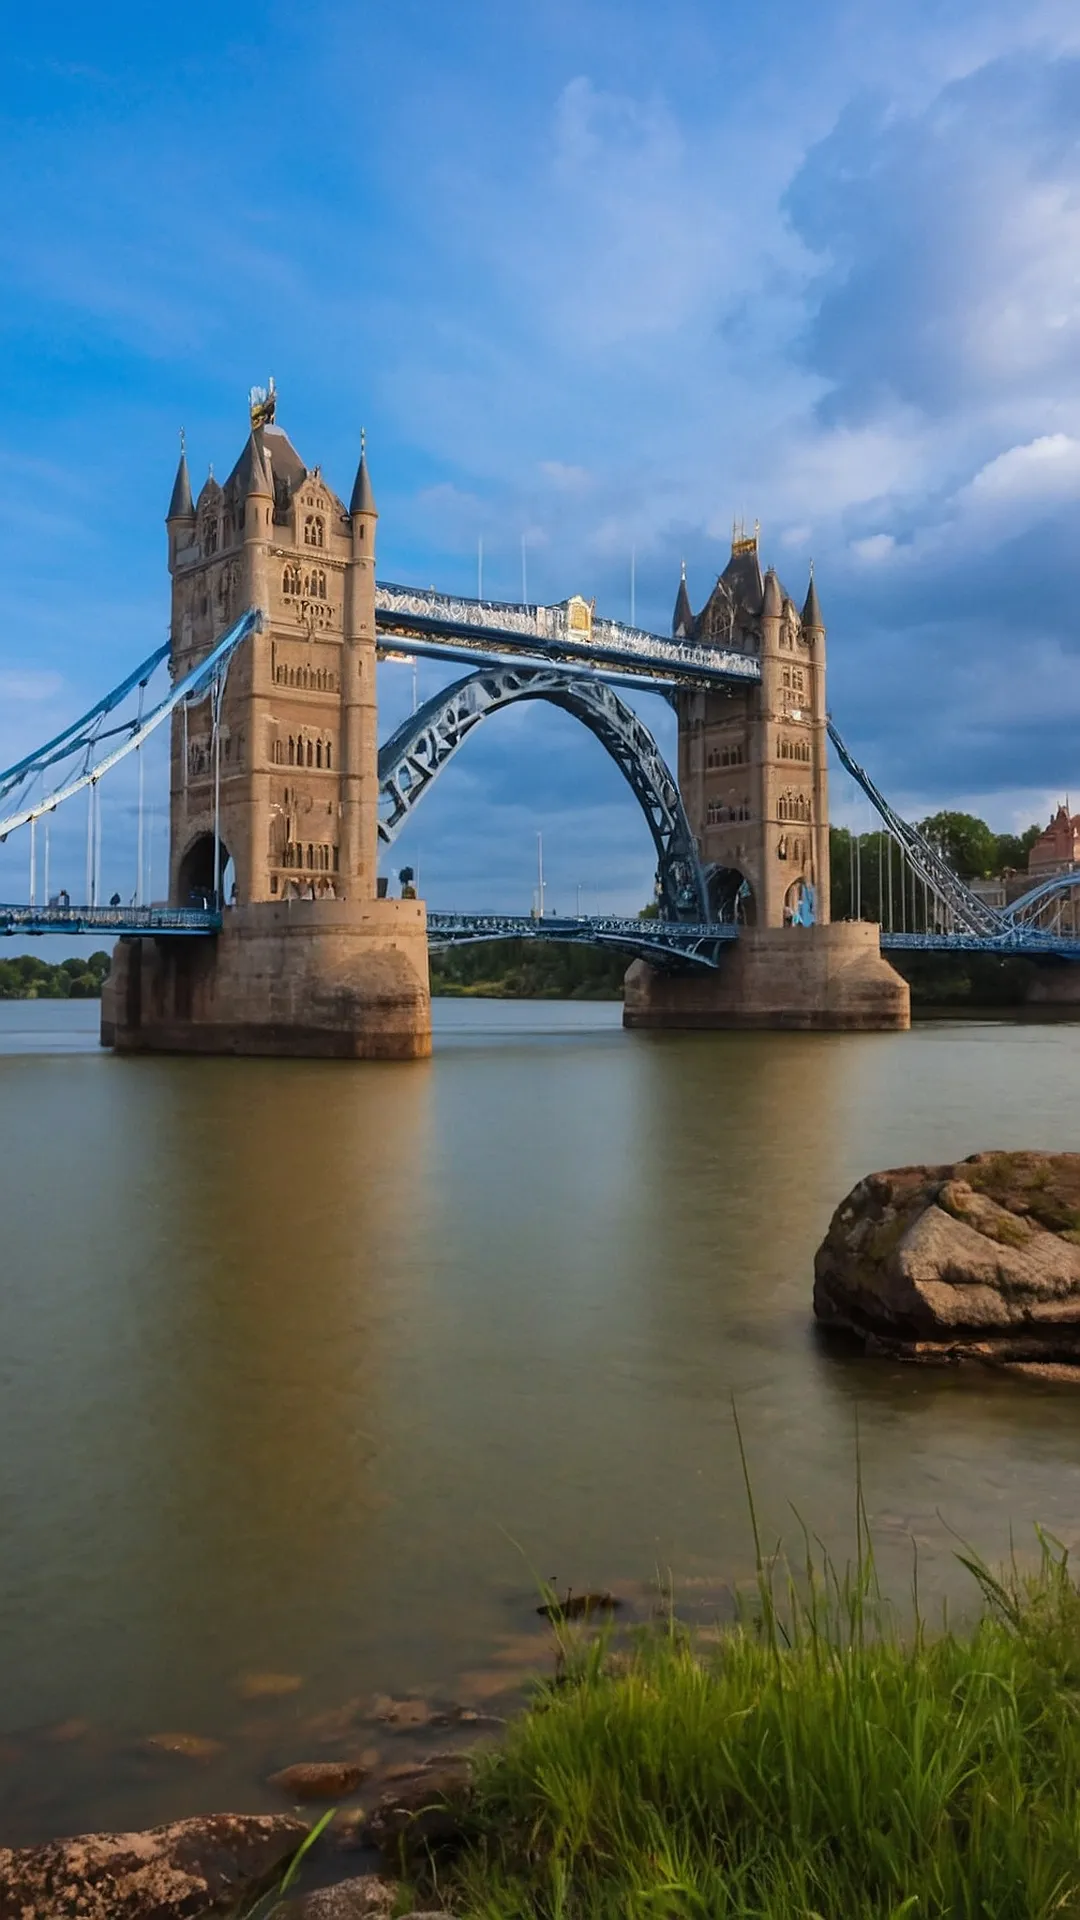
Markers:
314,530
792,749
290,579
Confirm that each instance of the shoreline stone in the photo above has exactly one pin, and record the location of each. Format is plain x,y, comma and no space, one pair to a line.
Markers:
974,1260
184,1871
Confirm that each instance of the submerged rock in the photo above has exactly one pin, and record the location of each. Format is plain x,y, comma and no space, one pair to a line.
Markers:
423,1809
579,1606
319,1779
975,1260
184,1746
178,1872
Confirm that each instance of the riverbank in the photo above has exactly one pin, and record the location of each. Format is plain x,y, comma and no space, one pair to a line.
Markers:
814,1759
819,1754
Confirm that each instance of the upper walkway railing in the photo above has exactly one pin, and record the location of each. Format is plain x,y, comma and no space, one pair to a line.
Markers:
117,921
568,632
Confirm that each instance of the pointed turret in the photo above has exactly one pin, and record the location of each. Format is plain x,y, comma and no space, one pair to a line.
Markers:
181,504
772,600
363,498
682,620
811,613
251,474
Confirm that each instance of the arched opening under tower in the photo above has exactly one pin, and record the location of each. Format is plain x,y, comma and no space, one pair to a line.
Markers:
730,896
204,881
800,905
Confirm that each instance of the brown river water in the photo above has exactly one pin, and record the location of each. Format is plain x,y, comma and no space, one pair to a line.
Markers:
315,1370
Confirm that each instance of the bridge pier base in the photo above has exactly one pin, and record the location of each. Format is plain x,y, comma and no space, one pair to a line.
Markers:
832,978
1055,990
307,978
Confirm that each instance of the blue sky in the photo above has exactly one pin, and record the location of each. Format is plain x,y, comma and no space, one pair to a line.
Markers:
605,275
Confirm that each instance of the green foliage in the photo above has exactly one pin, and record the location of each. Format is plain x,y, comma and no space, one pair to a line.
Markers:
818,1764
530,970
1013,849
25,977
968,844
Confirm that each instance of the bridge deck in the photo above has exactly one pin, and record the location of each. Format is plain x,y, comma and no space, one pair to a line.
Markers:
668,941
112,920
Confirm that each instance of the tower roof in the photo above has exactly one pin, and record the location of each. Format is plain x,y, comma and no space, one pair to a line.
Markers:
362,499
773,598
682,620
811,613
181,504
251,473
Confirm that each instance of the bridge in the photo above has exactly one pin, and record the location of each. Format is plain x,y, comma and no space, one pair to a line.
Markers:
281,798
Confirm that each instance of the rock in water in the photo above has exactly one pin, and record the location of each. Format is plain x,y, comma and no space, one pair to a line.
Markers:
978,1260
189,1869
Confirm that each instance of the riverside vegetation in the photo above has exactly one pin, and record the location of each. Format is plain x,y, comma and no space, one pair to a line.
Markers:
25,977
818,1762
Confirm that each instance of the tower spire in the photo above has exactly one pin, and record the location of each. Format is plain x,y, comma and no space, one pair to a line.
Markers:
811,613
682,620
363,498
181,504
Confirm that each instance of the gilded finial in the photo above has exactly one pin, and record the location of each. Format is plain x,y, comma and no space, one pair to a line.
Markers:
363,442
262,402
183,443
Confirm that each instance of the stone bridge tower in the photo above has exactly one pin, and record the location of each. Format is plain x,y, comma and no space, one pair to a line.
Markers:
753,762
753,773
278,812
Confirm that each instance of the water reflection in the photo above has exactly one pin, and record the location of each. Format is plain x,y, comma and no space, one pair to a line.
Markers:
315,1368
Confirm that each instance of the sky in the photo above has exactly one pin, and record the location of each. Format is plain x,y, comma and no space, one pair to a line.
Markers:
597,275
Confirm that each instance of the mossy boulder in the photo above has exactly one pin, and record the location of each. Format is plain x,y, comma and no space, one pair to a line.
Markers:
976,1260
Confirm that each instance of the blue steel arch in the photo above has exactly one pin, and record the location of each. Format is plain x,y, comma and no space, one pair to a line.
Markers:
422,746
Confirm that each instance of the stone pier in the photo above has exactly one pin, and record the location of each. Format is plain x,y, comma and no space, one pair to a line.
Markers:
826,979
312,978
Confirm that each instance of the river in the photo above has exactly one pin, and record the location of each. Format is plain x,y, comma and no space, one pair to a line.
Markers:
316,1369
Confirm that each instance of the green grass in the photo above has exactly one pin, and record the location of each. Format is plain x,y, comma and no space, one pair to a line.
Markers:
818,1760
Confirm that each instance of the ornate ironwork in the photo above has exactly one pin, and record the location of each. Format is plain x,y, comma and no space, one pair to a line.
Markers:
558,633
422,746
663,943
115,920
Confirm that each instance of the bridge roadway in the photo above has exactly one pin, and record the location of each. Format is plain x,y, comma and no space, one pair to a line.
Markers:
667,943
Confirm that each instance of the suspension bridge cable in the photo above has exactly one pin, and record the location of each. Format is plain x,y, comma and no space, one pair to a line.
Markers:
13,775
192,687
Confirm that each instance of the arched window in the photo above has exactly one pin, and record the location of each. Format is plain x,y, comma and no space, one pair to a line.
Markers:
292,751
310,855
310,754
318,753
290,579
328,762
314,531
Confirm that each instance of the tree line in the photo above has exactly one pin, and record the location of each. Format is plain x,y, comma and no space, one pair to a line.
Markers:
25,977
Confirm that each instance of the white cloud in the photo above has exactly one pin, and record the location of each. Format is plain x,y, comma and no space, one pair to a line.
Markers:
1047,468
875,548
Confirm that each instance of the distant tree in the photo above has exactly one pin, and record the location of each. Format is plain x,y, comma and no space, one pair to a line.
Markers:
968,844
1013,849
